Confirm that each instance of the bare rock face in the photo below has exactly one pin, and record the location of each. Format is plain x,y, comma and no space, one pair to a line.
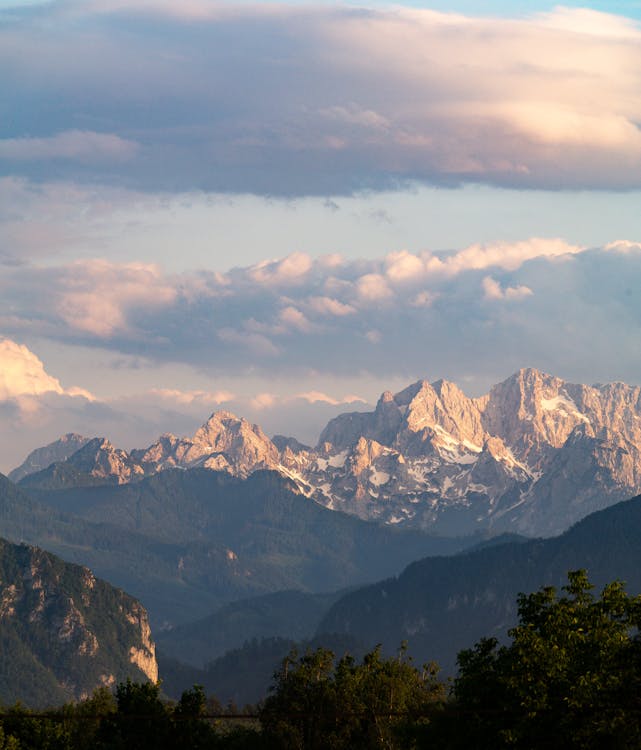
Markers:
67,632
41,458
224,443
533,455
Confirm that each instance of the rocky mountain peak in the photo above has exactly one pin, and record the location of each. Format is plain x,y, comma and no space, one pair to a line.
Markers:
431,456
41,458
100,459
406,396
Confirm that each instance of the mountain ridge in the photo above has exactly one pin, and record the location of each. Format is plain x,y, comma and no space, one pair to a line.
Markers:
533,455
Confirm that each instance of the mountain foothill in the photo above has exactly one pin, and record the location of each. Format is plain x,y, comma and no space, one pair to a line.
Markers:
419,521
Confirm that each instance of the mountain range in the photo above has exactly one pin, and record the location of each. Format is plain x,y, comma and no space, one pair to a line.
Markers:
187,542
438,606
443,604
532,456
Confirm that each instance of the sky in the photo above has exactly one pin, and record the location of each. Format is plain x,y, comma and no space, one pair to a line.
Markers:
284,209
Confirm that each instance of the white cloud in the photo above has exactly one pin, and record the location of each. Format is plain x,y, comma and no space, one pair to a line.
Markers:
290,270
342,319
494,291
329,306
22,374
294,319
624,246
189,398
506,255
314,397
372,287
263,401
96,296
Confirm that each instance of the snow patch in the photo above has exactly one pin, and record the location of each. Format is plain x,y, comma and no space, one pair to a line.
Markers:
378,477
564,405
338,460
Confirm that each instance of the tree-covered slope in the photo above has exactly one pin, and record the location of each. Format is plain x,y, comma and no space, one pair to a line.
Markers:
186,542
63,632
286,614
441,605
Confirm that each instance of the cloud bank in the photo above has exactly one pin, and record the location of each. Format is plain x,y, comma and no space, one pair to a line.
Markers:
277,99
485,309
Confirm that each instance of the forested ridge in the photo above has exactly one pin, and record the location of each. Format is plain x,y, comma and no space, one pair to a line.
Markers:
569,677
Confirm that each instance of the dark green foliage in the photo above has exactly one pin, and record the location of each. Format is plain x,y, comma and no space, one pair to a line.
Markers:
569,679
318,703
243,675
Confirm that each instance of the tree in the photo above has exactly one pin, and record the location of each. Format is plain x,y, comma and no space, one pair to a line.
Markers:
141,720
318,703
569,679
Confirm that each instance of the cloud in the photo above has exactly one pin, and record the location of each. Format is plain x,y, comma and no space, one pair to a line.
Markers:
290,270
95,298
314,397
329,306
263,401
189,398
287,100
493,290
400,313
22,374
372,287
73,144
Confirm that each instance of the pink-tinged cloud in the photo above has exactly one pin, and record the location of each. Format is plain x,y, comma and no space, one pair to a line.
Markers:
492,290
80,145
95,296
322,100
22,375
390,314
190,398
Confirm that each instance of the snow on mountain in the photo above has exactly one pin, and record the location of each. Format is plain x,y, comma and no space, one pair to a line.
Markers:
533,455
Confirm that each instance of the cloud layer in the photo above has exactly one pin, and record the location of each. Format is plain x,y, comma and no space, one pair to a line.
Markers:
278,99
483,310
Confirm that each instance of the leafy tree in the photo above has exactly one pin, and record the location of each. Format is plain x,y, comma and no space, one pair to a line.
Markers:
569,679
8,742
141,719
318,703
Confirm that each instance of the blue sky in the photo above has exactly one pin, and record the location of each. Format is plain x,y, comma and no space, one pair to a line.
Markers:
279,209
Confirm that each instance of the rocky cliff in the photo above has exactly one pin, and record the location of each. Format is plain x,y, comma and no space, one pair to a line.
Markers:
533,455
63,632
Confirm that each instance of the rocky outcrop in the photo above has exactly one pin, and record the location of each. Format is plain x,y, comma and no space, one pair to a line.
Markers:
41,458
533,455
66,630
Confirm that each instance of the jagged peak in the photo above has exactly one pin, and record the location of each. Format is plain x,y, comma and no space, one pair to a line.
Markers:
69,437
387,397
97,443
407,395
531,375
222,415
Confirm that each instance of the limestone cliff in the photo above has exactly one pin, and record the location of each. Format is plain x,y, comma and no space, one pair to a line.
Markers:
63,632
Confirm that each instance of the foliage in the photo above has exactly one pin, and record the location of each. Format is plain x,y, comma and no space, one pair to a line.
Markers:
318,703
569,679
